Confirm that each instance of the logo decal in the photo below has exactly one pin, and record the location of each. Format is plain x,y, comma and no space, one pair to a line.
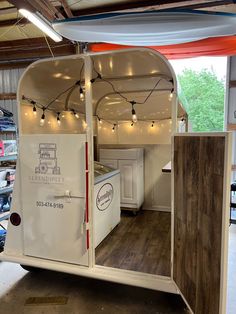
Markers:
47,159
104,196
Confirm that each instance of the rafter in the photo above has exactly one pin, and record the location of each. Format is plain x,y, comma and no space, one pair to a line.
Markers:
152,4
33,48
53,9
8,10
8,23
66,8
34,6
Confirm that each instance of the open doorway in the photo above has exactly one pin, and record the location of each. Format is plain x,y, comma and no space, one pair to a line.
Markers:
133,128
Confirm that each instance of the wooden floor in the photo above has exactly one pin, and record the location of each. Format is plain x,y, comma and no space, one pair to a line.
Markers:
141,243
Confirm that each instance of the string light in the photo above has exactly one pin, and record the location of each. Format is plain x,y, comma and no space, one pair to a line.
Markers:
34,111
100,120
113,129
171,94
42,117
81,92
75,113
34,108
134,116
98,77
58,118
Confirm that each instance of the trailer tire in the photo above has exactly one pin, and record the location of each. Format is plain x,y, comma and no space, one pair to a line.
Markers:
31,268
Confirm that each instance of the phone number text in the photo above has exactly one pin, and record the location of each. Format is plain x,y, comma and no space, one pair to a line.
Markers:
49,204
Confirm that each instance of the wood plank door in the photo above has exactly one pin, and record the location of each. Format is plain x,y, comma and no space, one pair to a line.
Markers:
201,180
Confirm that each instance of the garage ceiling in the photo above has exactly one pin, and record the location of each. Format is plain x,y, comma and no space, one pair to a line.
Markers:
20,41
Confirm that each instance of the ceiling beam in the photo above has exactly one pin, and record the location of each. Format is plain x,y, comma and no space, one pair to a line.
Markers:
33,48
7,96
33,6
207,4
8,23
8,10
66,8
46,5
152,4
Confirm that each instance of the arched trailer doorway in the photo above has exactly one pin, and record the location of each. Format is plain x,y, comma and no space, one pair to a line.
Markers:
61,104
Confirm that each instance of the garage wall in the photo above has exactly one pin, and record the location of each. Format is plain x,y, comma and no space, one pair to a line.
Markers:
9,79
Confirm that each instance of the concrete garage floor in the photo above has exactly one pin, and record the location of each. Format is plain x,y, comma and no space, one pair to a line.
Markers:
85,296
88,296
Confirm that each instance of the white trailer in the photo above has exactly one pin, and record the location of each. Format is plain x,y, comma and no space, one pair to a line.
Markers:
72,95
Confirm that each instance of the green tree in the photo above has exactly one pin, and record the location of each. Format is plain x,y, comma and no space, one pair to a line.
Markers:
202,95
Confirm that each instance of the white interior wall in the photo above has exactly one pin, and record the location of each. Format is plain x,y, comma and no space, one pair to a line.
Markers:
157,153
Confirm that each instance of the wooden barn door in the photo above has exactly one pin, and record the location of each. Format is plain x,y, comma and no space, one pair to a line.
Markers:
201,219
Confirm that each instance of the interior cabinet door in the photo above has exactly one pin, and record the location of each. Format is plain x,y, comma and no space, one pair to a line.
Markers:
128,174
201,178
113,163
53,197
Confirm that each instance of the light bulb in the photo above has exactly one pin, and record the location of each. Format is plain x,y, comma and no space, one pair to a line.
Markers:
171,94
58,118
152,124
113,129
81,93
100,120
131,124
34,111
134,116
76,115
42,119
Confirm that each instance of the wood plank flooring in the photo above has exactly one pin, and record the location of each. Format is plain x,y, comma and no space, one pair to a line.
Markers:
141,243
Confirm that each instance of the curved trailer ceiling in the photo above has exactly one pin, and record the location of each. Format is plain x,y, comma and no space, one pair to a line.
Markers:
132,73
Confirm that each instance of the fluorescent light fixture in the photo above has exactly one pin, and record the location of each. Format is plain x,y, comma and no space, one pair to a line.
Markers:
45,27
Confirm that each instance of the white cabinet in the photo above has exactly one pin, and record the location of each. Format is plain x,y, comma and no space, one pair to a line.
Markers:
130,164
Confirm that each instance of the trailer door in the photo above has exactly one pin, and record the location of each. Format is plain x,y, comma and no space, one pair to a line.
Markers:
53,189
201,219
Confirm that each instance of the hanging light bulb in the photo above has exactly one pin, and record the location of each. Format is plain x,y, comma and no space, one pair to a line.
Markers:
81,92
152,124
58,118
132,123
75,113
171,94
100,120
113,129
34,111
42,118
134,116
34,107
